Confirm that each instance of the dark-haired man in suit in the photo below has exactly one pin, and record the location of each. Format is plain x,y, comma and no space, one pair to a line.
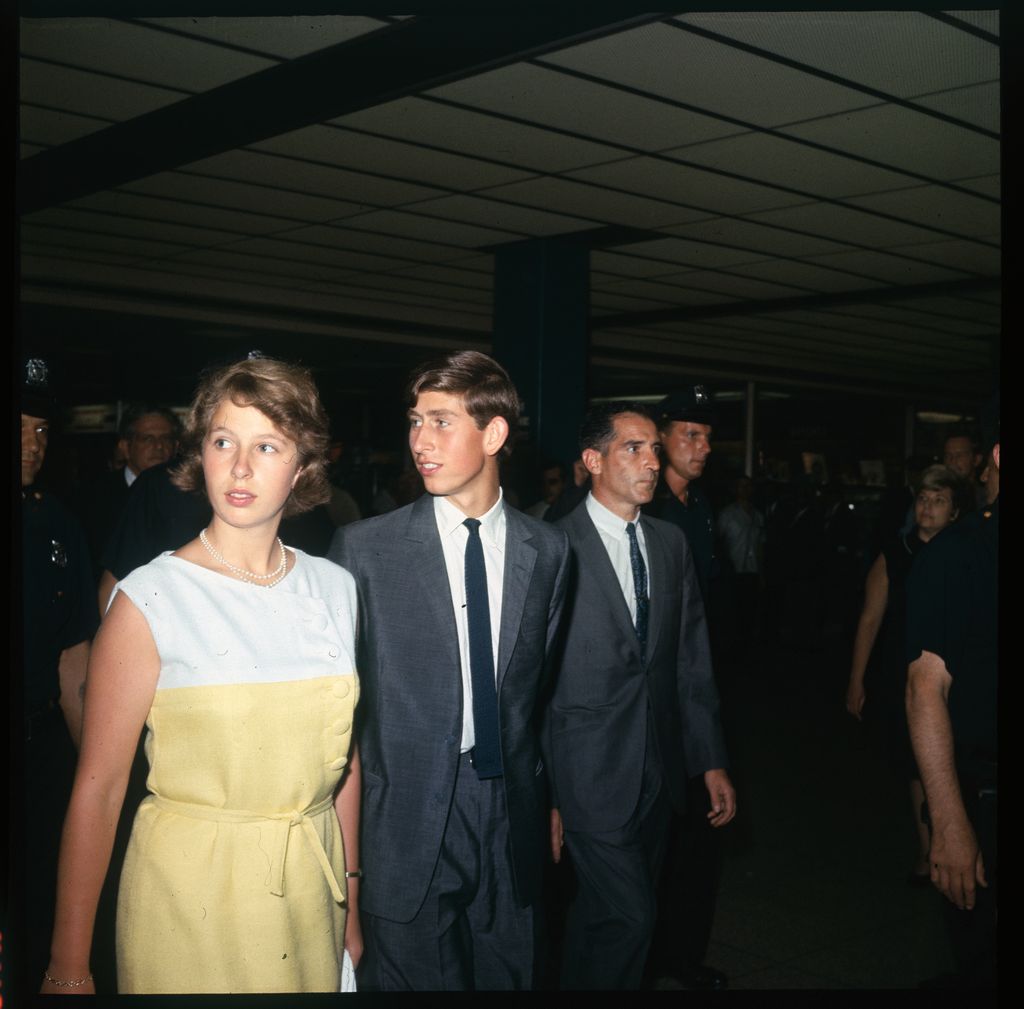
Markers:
635,707
459,599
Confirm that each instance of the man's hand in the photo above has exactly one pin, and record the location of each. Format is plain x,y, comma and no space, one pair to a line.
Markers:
855,699
557,836
722,796
956,863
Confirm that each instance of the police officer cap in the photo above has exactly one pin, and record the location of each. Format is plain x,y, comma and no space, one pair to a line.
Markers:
691,402
37,398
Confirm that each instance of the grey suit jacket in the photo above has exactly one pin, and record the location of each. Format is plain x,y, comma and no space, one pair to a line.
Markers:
410,713
596,729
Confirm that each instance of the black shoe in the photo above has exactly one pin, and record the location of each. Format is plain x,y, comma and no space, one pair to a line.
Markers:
700,978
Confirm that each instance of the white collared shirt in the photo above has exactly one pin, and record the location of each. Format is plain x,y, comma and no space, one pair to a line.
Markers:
612,530
454,536
130,476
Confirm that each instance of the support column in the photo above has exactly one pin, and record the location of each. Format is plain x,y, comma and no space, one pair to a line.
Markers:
541,335
748,447
909,424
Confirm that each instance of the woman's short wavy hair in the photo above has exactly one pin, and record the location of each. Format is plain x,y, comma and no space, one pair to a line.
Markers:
287,394
939,477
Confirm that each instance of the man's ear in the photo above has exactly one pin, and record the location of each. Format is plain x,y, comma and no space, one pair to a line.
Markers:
995,454
495,435
592,460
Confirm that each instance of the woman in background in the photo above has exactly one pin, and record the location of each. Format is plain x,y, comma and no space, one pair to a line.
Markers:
941,499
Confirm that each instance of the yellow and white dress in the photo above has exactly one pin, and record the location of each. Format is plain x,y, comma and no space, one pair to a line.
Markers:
234,879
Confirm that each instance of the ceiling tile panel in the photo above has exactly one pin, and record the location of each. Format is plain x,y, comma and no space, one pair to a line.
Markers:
697,255
865,46
283,37
624,263
905,139
379,155
589,202
668,294
50,127
468,132
384,285
242,196
136,51
468,275
756,237
90,94
966,257
155,209
937,207
350,238
811,278
977,104
109,224
300,252
846,223
703,190
551,97
687,68
524,221
416,225
795,166
266,264
304,176
84,240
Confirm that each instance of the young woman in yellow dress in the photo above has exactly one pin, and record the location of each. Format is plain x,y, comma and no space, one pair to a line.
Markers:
238,656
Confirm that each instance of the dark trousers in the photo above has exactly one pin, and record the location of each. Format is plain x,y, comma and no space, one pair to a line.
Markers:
470,934
611,919
689,886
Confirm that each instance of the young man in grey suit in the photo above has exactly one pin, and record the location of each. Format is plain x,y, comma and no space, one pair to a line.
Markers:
635,708
460,597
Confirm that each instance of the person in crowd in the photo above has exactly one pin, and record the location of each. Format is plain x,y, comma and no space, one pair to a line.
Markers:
572,494
148,436
685,421
990,478
742,531
552,482
238,655
634,709
960,452
952,651
59,619
460,601
941,497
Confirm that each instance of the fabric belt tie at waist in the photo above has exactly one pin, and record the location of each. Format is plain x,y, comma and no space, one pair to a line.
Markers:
283,824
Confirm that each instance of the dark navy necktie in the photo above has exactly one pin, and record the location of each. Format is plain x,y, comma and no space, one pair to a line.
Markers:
487,749
636,562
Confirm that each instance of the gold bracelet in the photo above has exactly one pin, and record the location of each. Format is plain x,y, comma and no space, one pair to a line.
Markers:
66,984
354,874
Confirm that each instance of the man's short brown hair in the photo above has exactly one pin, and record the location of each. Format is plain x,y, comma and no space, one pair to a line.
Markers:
479,381
287,394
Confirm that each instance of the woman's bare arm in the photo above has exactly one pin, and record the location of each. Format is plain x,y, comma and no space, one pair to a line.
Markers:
121,681
876,596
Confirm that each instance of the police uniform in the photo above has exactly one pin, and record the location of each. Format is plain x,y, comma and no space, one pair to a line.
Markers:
59,610
689,886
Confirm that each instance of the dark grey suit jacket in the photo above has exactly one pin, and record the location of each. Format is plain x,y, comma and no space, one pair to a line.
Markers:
596,731
410,713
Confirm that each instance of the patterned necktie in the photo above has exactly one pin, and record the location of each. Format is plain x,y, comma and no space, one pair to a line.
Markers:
643,603
486,751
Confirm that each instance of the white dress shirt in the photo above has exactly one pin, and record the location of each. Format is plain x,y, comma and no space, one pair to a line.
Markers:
612,530
454,536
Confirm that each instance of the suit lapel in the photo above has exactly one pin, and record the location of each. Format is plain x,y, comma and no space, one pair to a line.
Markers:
595,563
429,575
520,557
657,583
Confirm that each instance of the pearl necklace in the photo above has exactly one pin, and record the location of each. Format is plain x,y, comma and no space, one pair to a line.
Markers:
270,579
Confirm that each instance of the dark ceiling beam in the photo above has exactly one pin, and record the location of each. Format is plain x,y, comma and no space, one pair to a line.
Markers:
812,302
360,73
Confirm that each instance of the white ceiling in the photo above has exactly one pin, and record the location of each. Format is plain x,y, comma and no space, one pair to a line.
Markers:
797,173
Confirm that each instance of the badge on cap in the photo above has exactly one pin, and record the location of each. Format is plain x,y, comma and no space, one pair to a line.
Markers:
699,395
36,372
